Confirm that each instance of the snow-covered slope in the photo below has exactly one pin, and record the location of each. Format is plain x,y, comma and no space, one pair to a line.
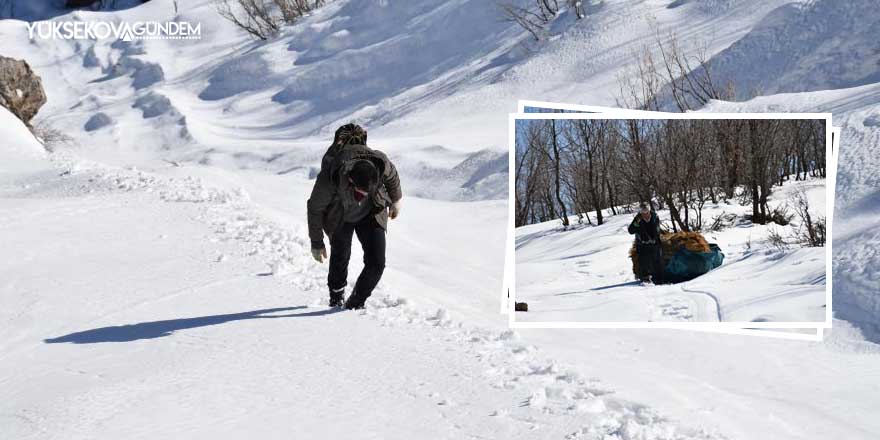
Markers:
142,304
228,100
585,274
100,254
21,154
798,48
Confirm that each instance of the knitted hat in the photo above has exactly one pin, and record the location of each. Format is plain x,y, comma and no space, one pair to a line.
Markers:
350,134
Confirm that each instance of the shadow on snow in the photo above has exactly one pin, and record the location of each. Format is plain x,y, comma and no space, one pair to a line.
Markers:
158,329
611,286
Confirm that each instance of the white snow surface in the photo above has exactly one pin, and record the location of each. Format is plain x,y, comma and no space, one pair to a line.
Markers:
155,276
585,273
22,154
144,304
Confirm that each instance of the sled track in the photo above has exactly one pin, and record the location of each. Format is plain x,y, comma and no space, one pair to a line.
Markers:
782,294
718,314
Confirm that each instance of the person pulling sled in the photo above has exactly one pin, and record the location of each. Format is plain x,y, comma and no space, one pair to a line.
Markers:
355,193
646,227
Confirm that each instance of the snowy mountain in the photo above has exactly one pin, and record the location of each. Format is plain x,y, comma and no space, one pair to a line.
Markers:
803,48
155,273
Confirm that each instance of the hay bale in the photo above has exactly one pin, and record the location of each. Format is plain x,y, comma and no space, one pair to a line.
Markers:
635,260
692,241
669,245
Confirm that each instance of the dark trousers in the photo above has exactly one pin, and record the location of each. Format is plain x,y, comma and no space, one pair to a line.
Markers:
650,260
372,238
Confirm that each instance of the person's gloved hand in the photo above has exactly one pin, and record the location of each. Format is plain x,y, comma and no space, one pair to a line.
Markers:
319,253
394,210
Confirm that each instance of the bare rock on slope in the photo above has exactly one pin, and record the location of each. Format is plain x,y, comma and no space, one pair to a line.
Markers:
21,90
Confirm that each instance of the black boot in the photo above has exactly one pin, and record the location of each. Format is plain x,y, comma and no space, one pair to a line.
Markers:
337,297
355,301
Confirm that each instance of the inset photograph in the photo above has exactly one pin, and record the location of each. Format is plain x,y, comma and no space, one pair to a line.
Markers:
690,218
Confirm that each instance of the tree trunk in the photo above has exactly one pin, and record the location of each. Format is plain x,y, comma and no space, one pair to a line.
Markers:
555,140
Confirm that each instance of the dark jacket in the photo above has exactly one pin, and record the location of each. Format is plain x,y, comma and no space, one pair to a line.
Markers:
647,232
325,208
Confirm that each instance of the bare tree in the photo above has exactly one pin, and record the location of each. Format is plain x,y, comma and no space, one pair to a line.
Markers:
689,75
811,231
293,10
587,140
679,165
50,136
762,158
640,85
554,140
534,175
527,166
264,18
252,16
535,15
664,71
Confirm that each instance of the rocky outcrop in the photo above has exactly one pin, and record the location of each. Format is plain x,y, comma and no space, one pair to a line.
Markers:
21,90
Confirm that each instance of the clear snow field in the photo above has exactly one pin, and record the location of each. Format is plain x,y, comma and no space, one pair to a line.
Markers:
585,273
145,300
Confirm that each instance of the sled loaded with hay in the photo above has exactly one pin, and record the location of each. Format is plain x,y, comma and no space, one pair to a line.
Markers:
685,256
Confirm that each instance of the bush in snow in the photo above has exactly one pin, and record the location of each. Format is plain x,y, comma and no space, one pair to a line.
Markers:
778,215
723,221
264,18
811,231
777,241
535,15
50,136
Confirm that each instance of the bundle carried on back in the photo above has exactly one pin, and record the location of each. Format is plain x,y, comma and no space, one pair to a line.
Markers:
685,255
672,242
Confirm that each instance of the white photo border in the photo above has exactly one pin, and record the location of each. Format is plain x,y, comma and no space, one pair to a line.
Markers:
610,113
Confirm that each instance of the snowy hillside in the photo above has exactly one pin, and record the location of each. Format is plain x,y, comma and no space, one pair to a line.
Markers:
585,274
826,45
22,154
799,48
139,304
144,299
